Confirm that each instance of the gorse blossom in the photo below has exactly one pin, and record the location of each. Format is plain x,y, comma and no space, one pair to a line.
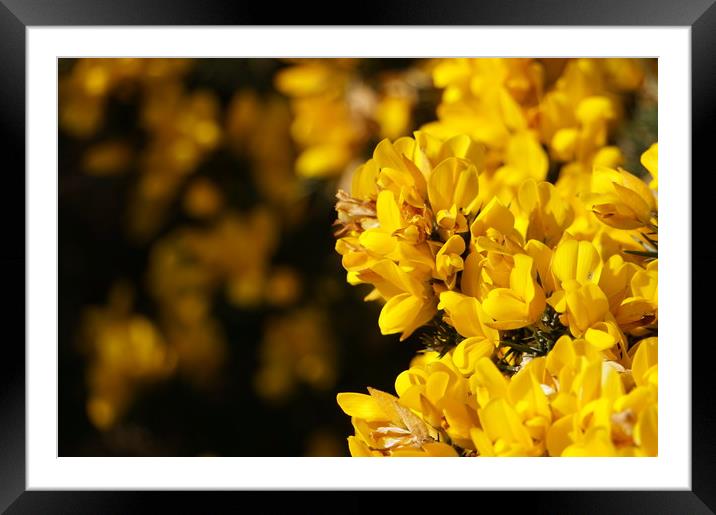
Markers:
536,300
337,109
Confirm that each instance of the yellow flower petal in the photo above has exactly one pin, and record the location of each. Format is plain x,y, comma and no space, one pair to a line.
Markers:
508,310
439,449
525,153
594,109
469,351
558,436
358,449
487,377
586,305
642,210
398,313
494,215
466,315
500,421
363,184
650,161
388,212
361,406
453,182
378,241
564,143
482,442
470,280
303,80
646,431
645,357
322,160
578,260
562,355
596,443
602,340
436,386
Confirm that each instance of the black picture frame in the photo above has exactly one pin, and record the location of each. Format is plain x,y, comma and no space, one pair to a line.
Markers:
17,15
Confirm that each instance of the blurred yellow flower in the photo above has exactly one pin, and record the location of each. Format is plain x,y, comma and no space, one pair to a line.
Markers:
125,351
296,349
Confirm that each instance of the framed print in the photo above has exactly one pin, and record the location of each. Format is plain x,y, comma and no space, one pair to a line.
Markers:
251,253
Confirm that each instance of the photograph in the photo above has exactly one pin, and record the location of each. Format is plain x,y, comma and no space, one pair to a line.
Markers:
358,257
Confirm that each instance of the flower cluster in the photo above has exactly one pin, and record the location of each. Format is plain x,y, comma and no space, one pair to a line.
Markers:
339,107
536,300
573,402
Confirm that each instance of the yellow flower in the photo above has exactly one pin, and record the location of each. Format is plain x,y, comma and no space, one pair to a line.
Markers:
576,261
384,426
578,112
545,213
605,410
493,231
467,316
440,394
325,126
514,414
484,97
409,302
623,73
542,257
398,197
380,239
393,114
296,348
586,306
524,159
125,350
503,432
621,199
640,307
495,215
397,173
519,305
452,191
448,261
